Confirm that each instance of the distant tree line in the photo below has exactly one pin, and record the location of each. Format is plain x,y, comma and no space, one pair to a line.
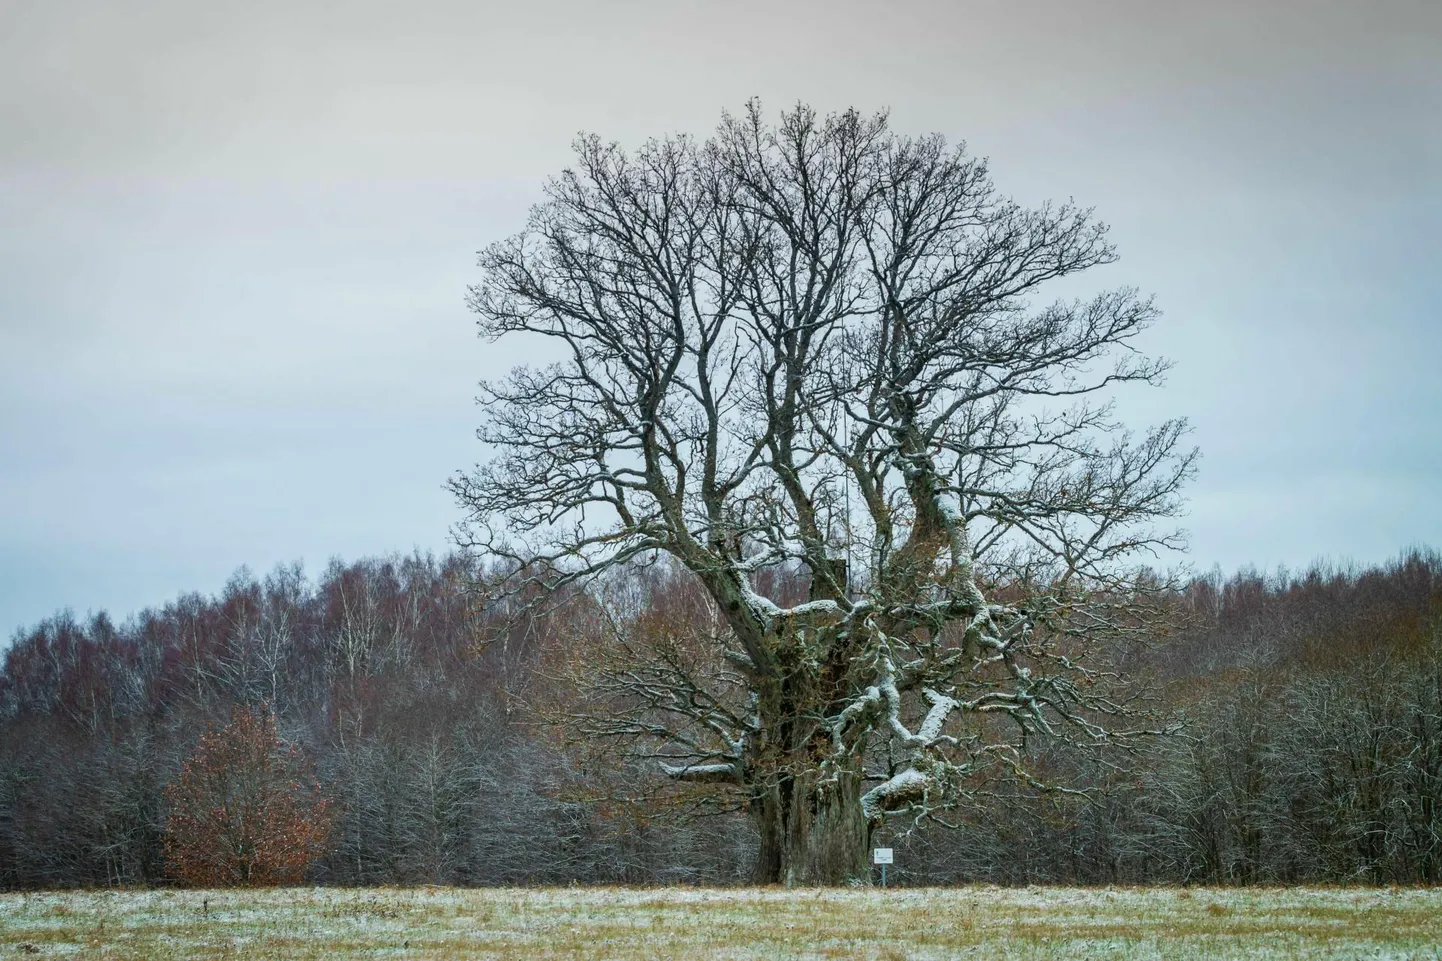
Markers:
1311,748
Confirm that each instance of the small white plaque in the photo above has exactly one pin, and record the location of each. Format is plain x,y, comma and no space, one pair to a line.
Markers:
881,856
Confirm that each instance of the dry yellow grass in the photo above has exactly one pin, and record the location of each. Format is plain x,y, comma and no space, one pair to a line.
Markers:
704,924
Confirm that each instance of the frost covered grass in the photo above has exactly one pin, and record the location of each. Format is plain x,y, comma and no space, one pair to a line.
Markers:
698,923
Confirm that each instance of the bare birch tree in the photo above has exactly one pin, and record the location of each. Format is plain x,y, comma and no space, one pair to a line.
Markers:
814,346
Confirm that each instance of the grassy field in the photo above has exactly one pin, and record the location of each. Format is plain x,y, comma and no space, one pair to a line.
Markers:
595,923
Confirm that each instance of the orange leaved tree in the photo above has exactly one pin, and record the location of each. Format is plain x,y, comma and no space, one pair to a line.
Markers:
246,809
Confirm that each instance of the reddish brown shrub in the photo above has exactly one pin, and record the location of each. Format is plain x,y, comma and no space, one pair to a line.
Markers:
246,809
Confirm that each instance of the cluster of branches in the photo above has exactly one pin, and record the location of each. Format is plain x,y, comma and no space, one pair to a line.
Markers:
649,673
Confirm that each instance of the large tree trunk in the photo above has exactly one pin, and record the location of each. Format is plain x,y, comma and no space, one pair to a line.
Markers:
771,843
812,831
808,814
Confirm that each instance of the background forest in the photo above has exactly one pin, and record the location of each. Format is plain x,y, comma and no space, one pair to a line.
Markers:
1311,749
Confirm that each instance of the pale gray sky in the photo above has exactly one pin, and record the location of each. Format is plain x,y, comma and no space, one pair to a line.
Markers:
235,237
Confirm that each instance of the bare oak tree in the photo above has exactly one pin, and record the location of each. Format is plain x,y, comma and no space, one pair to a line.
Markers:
812,347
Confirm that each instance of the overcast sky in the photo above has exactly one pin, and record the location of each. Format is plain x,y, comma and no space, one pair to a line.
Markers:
235,240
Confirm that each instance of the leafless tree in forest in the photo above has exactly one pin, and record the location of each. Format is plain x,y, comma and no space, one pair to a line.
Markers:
814,345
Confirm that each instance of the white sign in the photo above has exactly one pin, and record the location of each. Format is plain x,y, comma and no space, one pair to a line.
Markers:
881,856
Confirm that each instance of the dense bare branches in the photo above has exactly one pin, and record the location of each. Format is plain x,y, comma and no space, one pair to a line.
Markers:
813,347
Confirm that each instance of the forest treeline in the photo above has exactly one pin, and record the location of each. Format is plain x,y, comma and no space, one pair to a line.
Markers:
1310,748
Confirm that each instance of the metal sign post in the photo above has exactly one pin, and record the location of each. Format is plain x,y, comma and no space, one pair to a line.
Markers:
882,856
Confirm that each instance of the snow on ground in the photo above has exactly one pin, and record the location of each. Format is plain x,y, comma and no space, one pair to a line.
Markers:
744,923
